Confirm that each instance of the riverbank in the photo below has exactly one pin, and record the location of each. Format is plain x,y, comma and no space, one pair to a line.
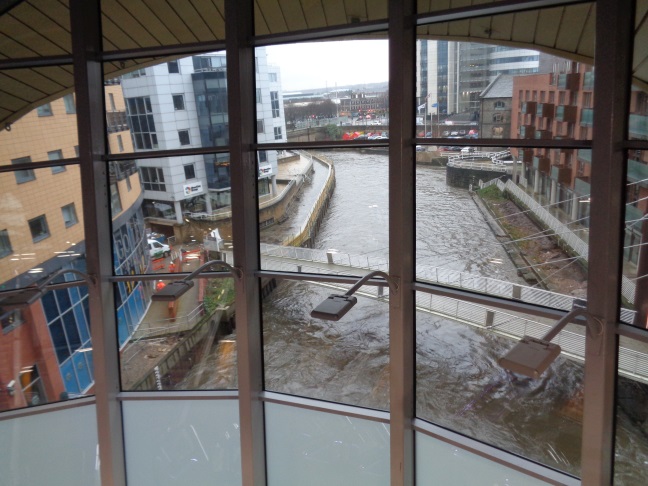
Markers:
554,269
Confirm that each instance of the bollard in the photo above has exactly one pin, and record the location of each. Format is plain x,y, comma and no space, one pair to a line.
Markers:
490,318
299,268
517,292
329,257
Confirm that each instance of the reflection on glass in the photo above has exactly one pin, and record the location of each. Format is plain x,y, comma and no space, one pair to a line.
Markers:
186,344
443,463
631,440
45,341
323,91
460,385
345,361
319,204
182,442
320,449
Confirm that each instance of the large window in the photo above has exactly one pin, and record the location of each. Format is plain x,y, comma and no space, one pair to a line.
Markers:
274,100
153,178
5,243
141,123
24,175
38,228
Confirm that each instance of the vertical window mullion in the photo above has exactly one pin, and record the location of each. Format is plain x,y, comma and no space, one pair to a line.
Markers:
402,80
85,20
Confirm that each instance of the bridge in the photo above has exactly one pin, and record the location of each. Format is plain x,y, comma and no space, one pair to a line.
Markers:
633,363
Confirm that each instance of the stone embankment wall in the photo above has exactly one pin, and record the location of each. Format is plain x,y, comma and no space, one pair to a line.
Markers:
467,178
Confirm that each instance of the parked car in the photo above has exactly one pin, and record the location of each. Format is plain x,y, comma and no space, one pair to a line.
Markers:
157,249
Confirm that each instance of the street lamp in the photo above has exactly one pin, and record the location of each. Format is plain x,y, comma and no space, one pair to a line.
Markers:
27,296
336,305
175,289
532,356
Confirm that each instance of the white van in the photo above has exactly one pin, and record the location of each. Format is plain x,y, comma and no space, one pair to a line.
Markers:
157,249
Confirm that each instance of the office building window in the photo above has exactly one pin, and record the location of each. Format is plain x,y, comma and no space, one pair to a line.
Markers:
141,123
69,215
277,133
273,77
260,126
178,102
5,244
120,143
153,178
76,150
70,107
56,155
173,67
190,171
111,99
39,229
24,175
44,110
258,95
183,135
274,100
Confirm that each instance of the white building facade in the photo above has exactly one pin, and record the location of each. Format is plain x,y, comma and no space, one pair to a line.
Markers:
183,104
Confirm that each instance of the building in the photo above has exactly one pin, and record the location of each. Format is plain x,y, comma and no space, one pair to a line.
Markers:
183,104
496,102
252,435
46,347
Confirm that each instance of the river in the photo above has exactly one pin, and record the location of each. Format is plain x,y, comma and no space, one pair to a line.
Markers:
459,384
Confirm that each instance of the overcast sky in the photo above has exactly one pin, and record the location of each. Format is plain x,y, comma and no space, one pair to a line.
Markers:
318,64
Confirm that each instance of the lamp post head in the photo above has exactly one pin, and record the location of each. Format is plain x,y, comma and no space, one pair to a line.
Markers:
334,307
530,357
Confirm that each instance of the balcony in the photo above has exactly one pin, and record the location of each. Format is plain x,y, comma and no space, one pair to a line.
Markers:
545,110
587,117
526,131
543,135
585,155
588,80
541,163
637,171
561,174
568,81
526,155
566,113
528,108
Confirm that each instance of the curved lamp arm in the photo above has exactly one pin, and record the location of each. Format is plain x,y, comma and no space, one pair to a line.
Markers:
238,274
393,286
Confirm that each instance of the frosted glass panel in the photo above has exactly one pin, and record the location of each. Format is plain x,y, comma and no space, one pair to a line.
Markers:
322,449
442,463
50,448
182,442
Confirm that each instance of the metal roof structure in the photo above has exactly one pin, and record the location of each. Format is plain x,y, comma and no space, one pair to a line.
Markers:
31,30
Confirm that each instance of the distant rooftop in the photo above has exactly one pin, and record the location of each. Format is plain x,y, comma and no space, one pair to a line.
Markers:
500,87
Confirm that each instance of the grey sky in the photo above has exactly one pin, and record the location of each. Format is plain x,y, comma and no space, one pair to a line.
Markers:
318,64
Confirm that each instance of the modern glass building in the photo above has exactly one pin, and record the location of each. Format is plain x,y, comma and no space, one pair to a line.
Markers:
409,386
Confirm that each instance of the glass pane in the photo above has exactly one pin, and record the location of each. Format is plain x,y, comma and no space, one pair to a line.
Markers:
272,18
182,442
468,91
631,441
440,462
320,449
523,235
186,344
35,31
461,386
65,451
318,204
634,290
345,361
323,91
165,25
142,108
35,130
